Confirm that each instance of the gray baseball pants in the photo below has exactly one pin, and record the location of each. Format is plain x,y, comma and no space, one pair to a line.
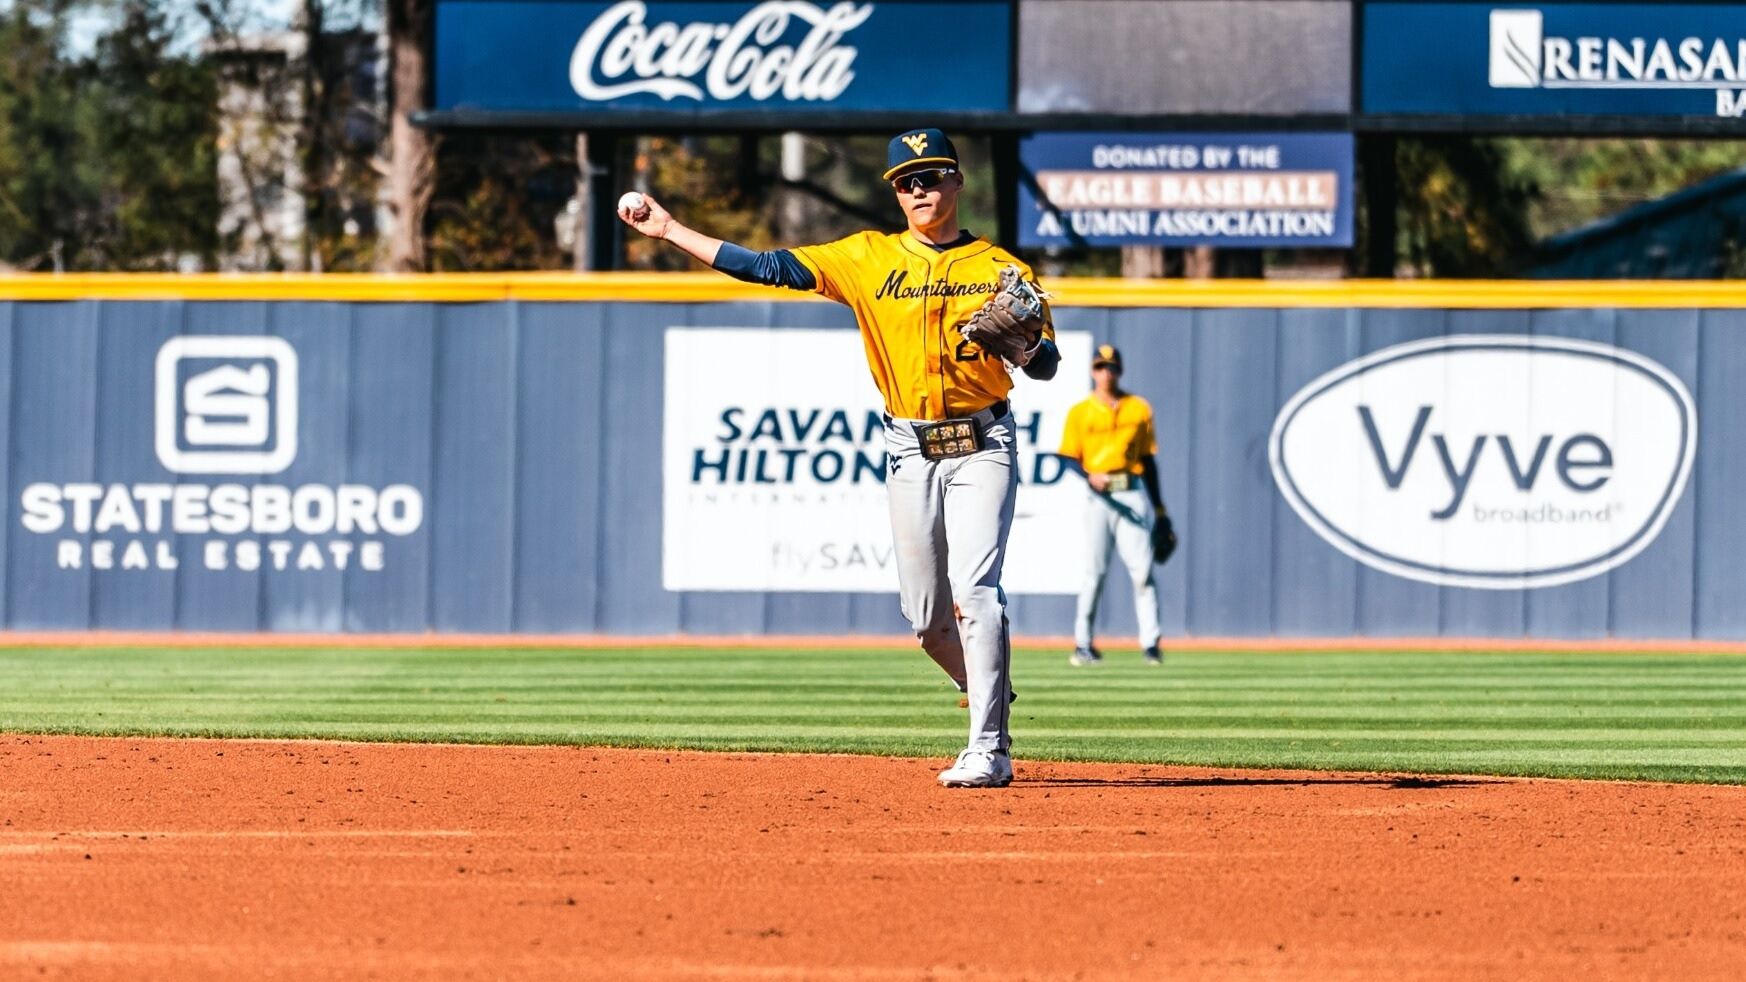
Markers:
1122,519
949,523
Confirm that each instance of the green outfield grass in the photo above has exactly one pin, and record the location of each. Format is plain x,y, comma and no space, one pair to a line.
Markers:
1659,717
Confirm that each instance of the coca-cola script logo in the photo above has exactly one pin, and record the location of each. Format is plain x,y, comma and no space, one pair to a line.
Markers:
619,54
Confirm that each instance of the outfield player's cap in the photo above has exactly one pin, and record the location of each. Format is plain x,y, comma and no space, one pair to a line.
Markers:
1107,355
919,149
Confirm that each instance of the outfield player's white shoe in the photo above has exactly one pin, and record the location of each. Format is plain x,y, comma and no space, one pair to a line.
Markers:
1085,656
979,769
1154,656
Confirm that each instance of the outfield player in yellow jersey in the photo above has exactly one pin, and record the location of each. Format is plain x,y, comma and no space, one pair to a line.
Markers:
951,487
1113,440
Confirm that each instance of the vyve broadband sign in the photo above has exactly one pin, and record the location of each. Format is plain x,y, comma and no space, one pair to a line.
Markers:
1494,462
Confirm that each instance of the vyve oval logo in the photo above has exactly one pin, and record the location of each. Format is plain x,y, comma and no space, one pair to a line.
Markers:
1495,462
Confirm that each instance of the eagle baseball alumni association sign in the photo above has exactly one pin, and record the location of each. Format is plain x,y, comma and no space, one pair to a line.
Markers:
1235,190
1486,461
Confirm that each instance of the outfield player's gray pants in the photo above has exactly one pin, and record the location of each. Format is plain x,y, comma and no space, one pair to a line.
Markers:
1124,520
949,521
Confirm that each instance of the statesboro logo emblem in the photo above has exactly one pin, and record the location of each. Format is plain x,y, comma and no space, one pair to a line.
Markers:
1523,56
229,419
1495,462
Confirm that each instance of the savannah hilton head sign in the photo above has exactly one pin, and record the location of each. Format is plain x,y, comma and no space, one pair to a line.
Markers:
652,56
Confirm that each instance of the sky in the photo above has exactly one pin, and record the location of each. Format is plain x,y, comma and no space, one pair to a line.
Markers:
91,20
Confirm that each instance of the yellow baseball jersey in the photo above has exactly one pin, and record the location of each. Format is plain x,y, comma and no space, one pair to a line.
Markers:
1110,440
910,301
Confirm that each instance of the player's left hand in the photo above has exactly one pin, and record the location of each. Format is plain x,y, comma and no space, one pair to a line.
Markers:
1010,325
1163,538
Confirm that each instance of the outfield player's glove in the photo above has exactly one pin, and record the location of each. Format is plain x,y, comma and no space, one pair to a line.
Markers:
1010,324
1163,538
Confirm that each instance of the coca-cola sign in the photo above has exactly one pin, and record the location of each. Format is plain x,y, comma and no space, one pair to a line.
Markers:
553,55
622,54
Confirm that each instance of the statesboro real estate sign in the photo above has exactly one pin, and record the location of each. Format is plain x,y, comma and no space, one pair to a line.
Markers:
1184,189
1643,59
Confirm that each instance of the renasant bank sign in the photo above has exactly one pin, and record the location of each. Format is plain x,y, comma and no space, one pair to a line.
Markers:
1523,56
1614,59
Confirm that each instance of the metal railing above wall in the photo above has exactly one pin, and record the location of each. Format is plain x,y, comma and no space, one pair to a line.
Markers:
708,287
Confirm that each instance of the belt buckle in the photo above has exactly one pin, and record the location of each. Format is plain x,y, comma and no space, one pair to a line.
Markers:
1119,481
949,438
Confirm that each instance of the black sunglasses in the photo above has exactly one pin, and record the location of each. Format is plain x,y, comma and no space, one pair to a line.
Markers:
924,179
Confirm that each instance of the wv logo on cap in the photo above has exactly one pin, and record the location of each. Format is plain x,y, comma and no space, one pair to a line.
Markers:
918,142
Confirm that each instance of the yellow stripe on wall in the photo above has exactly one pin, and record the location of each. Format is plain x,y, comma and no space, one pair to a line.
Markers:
702,287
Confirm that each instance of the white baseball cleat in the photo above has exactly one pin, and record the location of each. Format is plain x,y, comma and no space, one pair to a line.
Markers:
979,769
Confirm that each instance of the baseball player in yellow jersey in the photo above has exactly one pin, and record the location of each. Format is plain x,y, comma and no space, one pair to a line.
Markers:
1112,438
949,433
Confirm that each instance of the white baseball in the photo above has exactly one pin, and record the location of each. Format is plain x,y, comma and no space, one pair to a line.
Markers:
631,203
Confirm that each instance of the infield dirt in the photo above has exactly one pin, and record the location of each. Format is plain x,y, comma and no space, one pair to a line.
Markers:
197,859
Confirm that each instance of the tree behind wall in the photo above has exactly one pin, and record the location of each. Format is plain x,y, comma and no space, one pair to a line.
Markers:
303,123
106,161
343,137
39,197
495,201
155,128
1463,211
412,151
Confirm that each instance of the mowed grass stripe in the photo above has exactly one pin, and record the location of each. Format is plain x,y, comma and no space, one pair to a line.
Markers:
791,686
1355,723
904,704
1674,717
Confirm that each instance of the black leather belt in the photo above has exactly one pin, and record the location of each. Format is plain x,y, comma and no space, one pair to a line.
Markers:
994,411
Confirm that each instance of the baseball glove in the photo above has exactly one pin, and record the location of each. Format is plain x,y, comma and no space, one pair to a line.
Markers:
1163,538
1010,324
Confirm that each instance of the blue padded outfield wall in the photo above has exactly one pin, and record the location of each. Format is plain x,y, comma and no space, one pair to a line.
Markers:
655,468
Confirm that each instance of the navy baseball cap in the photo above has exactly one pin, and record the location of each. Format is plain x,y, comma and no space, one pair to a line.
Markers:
917,149
1107,355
